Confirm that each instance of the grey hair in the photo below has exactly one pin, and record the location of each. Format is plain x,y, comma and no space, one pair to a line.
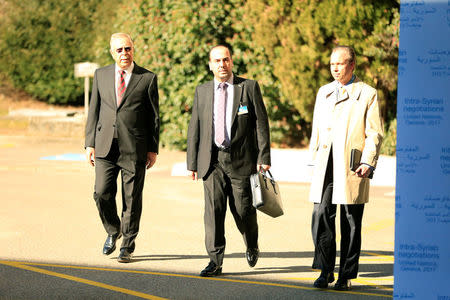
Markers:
120,34
350,51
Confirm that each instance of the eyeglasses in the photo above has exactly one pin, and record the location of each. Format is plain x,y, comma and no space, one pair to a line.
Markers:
127,49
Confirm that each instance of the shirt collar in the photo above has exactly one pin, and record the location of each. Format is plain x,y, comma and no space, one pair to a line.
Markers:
128,70
229,82
338,84
351,80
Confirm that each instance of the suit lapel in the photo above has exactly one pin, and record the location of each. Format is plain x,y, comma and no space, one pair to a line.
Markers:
111,84
208,102
237,85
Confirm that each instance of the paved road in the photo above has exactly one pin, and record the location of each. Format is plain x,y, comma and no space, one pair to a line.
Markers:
51,237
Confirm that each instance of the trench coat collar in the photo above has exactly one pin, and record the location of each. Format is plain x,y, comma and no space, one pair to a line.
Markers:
352,93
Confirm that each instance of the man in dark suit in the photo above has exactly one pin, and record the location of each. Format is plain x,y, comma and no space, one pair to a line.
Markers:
122,134
228,139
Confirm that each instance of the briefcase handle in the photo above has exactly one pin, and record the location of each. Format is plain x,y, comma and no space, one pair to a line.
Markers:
272,180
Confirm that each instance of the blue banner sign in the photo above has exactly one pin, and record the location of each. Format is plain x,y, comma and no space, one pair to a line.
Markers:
422,229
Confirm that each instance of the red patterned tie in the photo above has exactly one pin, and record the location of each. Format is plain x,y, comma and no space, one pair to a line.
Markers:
121,87
219,123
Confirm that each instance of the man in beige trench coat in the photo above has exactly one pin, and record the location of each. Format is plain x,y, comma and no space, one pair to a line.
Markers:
346,117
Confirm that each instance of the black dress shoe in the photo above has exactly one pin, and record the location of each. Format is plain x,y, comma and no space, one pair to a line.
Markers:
124,256
252,255
110,243
211,270
342,284
323,280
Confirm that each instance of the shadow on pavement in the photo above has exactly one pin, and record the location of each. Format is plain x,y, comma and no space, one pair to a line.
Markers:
368,270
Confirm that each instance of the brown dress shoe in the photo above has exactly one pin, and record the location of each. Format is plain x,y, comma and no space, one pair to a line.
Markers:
124,256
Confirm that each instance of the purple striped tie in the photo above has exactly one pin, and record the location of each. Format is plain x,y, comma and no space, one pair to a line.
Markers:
219,123
121,87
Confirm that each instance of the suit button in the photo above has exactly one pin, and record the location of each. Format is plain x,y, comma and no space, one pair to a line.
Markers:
325,146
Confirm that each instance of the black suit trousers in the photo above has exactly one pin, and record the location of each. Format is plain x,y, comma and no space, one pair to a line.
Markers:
106,172
324,232
222,183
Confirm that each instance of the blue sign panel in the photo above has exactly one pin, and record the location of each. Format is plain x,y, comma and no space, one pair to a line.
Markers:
422,229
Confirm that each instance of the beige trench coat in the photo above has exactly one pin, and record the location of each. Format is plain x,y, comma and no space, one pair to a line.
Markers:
351,122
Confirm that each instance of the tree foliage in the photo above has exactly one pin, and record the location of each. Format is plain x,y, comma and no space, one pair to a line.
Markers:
297,38
40,41
284,44
173,39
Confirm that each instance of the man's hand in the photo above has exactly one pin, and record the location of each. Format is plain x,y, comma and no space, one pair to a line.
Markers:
363,171
264,167
193,175
90,155
151,159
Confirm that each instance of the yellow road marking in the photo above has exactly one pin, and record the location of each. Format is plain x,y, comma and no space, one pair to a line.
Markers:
367,282
359,280
314,278
388,278
377,259
380,256
26,266
10,145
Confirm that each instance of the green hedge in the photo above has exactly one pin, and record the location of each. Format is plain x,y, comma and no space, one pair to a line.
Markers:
40,41
285,45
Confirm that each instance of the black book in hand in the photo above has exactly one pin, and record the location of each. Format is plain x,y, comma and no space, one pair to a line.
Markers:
355,161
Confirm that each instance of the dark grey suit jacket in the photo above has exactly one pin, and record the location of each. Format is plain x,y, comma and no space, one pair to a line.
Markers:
250,137
136,120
